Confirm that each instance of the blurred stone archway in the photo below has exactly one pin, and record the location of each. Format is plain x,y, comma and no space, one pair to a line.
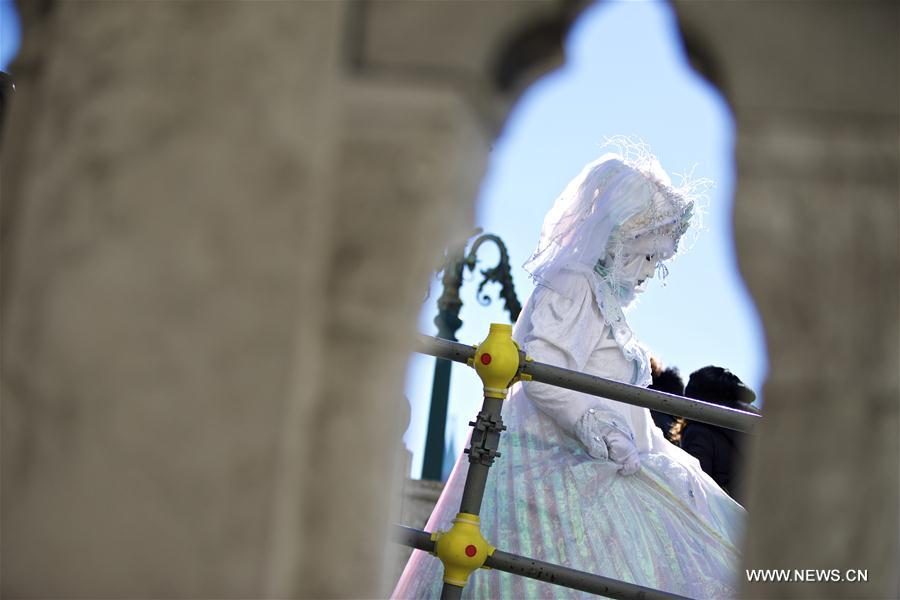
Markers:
814,90
216,221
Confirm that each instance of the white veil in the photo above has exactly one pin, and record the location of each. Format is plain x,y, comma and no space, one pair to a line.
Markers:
619,205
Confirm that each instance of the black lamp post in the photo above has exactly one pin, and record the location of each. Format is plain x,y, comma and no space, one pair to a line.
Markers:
448,323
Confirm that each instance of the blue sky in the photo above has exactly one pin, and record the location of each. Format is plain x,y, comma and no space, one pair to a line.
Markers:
9,33
625,74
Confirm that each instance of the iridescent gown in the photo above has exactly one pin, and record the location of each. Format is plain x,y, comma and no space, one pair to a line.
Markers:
669,526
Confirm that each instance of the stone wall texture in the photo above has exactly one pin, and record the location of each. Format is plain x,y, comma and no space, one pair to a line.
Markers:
814,89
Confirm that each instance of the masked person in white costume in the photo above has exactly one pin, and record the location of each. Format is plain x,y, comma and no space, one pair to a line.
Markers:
586,482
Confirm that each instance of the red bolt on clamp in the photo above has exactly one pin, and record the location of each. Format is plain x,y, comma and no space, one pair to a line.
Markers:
471,550
485,359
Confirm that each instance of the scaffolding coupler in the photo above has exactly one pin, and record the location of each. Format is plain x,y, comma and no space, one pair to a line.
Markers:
498,361
462,549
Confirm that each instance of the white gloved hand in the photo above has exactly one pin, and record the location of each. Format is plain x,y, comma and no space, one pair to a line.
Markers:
606,437
622,451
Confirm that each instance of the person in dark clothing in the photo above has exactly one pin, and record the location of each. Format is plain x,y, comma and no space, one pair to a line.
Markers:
719,450
668,381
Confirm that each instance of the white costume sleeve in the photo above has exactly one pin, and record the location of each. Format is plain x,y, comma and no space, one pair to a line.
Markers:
566,326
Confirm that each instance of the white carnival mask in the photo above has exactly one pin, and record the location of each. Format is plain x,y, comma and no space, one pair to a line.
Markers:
639,248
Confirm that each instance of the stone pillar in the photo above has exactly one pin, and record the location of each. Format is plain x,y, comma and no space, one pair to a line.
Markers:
218,222
418,112
162,289
814,88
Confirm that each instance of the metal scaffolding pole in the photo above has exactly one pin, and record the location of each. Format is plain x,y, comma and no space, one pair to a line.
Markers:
542,571
695,410
463,549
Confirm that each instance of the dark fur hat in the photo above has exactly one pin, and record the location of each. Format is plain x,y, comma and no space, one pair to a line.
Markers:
668,381
718,386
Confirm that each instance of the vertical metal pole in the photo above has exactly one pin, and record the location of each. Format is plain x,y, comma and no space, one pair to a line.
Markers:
448,323
463,549
451,592
433,461
482,451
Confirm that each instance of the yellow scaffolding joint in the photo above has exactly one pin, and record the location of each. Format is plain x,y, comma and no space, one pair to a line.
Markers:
462,549
497,361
